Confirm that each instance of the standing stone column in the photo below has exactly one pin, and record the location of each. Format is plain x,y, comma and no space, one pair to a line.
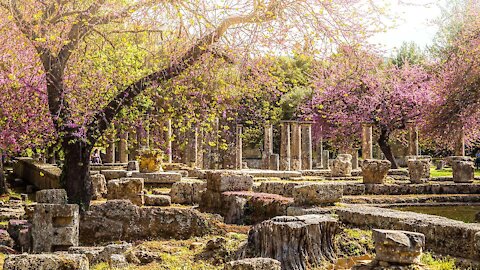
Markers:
296,147
367,144
110,152
320,153
412,139
123,147
285,146
325,159
354,158
306,147
238,148
199,148
267,146
169,140
460,143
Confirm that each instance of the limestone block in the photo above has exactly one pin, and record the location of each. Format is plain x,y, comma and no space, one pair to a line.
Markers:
158,177
187,192
253,264
342,166
158,200
57,261
54,227
374,171
315,194
229,181
127,188
463,171
53,196
398,247
113,174
419,170
92,253
118,261
99,186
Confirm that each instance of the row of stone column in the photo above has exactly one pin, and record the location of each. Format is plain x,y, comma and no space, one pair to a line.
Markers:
295,146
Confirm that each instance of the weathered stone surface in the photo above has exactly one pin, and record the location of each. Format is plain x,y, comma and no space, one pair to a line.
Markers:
296,242
41,175
142,256
99,186
463,171
398,247
118,261
121,220
46,262
221,181
158,177
440,164
127,188
315,194
53,196
342,166
419,170
54,227
374,171
97,255
187,192
6,239
19,230
254,264
114,174
133,166
157,200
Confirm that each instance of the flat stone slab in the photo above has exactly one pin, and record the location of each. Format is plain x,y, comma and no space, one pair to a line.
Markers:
158,177
271,173
114,174
46,262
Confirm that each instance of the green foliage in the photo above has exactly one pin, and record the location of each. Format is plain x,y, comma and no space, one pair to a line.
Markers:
446,263
292,100
408,53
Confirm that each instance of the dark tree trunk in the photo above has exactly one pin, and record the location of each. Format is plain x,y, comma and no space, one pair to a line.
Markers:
3,180
385,147
75,176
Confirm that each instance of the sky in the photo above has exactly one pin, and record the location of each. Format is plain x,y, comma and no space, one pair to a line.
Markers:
413,23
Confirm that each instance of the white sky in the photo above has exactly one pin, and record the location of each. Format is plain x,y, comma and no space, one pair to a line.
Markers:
413,23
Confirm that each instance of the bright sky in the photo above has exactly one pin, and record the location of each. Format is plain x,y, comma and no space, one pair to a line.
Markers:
414,23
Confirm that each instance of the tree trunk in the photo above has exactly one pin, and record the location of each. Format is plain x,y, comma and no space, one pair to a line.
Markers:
299,243
75,176
3,181
385,147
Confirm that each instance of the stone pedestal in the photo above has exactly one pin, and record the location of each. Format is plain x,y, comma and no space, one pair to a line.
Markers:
342,166
267,146
419,170
374,171
307,163
123,147
285,154
238,148
463,170
398,247
296,147
367,144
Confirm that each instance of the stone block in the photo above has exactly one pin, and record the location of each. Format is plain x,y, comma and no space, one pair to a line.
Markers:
440,164
317,194
342,166
253,264
20,231
187,192
158,177
52,196
228,181
157,200
127,188
118,261
92,253
419,170
114,174
398,247
374,171
6,239
463,171
57,261
54,227
99,186
133,166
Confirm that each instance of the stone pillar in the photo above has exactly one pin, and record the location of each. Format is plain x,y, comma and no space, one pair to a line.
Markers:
285,146
123,147
169,140
296,147
367,144
325,159
238,148
199,148
354,159
267,146
110,152
412,139
306,146
460,143
320,153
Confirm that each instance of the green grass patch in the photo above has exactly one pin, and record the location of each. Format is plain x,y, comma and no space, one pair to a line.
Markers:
444,263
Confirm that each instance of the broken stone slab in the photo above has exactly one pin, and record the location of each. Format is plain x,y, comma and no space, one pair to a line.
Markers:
157,200
254,264
99,186
187,192
463,171
398,247
92,253
54,227
374,171
419,170
158,177
127,188
118,261
342,166
133,166
114,174
221,181
57,261
52,196
317,194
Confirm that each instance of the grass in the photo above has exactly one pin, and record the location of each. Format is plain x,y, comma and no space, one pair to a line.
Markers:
446,172
445,263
